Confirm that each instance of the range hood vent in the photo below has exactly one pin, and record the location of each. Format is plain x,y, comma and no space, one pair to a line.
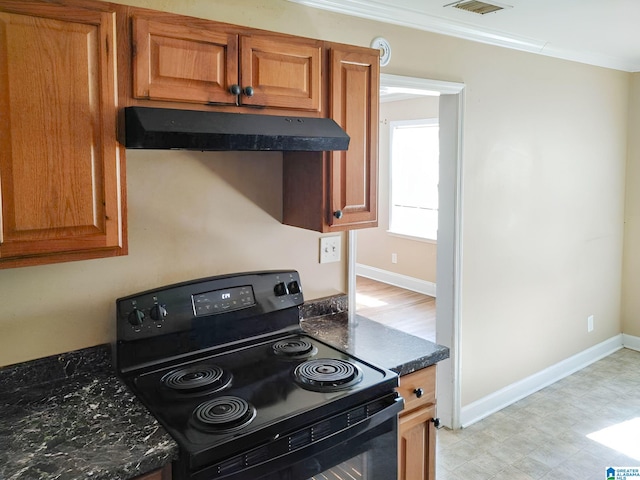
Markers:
164,128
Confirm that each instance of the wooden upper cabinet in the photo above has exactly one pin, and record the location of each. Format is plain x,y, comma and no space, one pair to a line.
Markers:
285,74
175,61
355,85
335,191
60,174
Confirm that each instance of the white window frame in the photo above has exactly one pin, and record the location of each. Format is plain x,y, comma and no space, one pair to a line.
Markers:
392,126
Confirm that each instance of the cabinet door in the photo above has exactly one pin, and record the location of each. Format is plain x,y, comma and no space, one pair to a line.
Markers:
334,191
355,83
175,62
282,73
59,159
416,446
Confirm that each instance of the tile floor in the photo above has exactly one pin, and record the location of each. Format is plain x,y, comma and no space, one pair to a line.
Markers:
544,436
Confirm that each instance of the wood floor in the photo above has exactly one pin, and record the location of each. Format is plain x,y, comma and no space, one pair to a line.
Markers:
402,309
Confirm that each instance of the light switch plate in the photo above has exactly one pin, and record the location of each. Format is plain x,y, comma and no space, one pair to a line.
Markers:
330,249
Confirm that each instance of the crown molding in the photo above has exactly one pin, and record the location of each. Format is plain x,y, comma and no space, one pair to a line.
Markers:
375,10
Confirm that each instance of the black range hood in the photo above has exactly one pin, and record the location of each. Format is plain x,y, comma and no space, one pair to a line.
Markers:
165,128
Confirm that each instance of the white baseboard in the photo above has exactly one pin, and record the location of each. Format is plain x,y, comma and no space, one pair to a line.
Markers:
504,397
396,279
629,341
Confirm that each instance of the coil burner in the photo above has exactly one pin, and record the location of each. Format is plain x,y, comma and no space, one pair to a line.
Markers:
327,375
203,377
294,348
224,414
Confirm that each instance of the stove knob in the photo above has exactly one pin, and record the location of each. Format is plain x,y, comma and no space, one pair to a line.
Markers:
294,287
280,289
158,312
136,317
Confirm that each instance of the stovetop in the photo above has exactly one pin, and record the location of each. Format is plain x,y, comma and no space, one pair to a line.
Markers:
256,379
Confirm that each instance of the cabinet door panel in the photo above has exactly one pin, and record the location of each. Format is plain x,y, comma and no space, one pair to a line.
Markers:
177,63
282,74
354,106
416,446
59,164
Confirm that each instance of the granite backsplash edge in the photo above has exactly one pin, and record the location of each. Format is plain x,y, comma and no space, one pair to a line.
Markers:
53,368
324,306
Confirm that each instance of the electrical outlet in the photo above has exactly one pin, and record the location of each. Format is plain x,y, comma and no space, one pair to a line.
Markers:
590,323
330,249
394,258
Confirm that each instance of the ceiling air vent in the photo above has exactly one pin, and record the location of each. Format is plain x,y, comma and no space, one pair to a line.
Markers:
474,6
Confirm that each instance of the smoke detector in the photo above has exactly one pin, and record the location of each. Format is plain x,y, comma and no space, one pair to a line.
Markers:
383,45
474,6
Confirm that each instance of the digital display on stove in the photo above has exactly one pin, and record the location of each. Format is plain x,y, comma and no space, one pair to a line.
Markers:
223,301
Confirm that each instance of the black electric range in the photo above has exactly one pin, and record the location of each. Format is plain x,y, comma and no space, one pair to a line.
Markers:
222,363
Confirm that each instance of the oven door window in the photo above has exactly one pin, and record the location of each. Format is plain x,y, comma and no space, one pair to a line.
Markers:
354,469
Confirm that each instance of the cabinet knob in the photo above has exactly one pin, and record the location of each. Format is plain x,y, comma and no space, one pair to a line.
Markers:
248,91
338,214
235,89
419,392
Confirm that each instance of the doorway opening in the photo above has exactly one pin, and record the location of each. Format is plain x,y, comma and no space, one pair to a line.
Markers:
430,265
396,262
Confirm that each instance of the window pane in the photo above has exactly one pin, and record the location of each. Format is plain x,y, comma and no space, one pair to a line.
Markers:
415,222
414,178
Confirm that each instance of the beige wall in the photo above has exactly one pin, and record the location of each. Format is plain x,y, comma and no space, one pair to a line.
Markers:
545,149
544,160
191,215
631,269
416,259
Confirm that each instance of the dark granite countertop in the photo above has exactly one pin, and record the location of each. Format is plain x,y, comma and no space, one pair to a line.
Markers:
382,345
68,417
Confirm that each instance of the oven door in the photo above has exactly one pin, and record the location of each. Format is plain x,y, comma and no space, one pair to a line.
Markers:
371,456
364,450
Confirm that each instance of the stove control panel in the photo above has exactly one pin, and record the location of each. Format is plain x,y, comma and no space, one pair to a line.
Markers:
223,300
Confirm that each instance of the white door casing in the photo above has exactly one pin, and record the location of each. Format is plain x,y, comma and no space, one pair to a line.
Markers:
449,237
